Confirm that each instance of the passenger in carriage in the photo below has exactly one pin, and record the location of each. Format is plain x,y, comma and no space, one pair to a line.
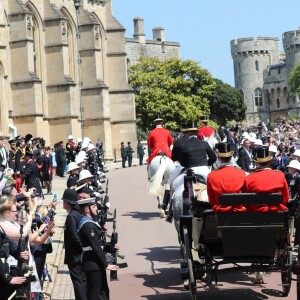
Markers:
159,140
197,154
265,180
226,179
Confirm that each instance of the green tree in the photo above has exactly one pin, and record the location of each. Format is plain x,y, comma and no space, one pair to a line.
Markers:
176,90
294,81
227,103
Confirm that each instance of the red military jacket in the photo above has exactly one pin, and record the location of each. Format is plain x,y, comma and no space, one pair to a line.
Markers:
267,181
206,131
159,140
225,180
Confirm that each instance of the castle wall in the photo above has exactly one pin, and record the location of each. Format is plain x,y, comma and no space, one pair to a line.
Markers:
46,90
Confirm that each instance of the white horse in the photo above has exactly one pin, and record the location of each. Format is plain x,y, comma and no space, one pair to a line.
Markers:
159,171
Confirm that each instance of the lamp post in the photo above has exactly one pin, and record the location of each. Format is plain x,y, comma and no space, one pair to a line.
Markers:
77,7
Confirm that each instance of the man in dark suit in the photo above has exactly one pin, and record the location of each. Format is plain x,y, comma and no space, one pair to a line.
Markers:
197,154
245,156
72,244
31,174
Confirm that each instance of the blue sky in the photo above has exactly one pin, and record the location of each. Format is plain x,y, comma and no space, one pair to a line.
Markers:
204,29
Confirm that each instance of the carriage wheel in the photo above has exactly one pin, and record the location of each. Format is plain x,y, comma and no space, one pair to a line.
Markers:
286,278
188,255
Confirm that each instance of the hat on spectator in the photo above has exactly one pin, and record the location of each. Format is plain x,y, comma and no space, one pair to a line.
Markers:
262,154
258,142
72,166
70,137
273,148
224,150
294,164
252,139
70,196
79,140
84,174
297,153
245,134
84,145
86,140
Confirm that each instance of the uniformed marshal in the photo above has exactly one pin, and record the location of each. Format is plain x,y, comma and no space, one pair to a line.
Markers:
94,263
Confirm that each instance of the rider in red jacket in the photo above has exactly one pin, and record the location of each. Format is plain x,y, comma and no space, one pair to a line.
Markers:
205,130
159,140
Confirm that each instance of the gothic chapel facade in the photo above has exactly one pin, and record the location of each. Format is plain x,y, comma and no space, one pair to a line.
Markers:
54,83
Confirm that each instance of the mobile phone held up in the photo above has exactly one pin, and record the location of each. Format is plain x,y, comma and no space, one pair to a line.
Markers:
55,198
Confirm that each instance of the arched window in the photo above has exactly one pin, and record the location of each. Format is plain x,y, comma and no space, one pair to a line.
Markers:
256,65
272,93
278,92
239,67
278,103
258,97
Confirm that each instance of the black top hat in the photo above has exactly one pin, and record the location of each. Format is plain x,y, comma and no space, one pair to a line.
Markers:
86,202
262,155
12,141
28,154
224,150
70,196
28,137
204,118
189,126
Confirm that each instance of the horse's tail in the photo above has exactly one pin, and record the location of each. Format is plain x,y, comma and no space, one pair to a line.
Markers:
155,182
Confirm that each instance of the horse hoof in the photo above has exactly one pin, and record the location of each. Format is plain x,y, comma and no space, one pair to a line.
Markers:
162,214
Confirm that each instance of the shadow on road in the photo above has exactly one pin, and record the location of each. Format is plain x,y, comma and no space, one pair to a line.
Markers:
169,254
143,216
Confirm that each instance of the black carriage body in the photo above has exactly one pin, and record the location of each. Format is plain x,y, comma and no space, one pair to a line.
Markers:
259,239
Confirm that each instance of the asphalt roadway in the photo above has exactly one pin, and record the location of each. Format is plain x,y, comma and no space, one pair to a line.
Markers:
151,250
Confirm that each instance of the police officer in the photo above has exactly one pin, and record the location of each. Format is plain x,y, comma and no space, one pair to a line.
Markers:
94,263
123,154
72,243
129,151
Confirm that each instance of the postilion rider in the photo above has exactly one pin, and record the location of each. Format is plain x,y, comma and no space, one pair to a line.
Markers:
205,131
159,140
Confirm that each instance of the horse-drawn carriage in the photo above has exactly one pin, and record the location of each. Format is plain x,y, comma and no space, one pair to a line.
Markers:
215,243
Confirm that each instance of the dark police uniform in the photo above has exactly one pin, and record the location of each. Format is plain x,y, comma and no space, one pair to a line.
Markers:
93,259
73,251
72,180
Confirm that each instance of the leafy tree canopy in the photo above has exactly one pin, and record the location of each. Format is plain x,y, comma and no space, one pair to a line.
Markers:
294,81
176,90
227,103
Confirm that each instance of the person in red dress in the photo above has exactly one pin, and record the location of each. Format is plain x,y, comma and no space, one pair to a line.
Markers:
225,180
265,180
205,130
159,140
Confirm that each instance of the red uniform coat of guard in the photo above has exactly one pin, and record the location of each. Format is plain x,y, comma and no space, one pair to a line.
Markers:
206,131
225,180
159,140
267,181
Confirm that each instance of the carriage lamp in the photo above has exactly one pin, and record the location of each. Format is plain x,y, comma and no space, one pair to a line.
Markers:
77,4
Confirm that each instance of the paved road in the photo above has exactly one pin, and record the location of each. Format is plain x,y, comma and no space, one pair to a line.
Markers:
152,253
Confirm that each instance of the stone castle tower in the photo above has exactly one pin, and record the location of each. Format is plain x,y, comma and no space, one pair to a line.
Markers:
251,57
158,47
46,90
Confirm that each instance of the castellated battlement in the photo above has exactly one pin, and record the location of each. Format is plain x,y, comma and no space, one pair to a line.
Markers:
291,39
259,45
